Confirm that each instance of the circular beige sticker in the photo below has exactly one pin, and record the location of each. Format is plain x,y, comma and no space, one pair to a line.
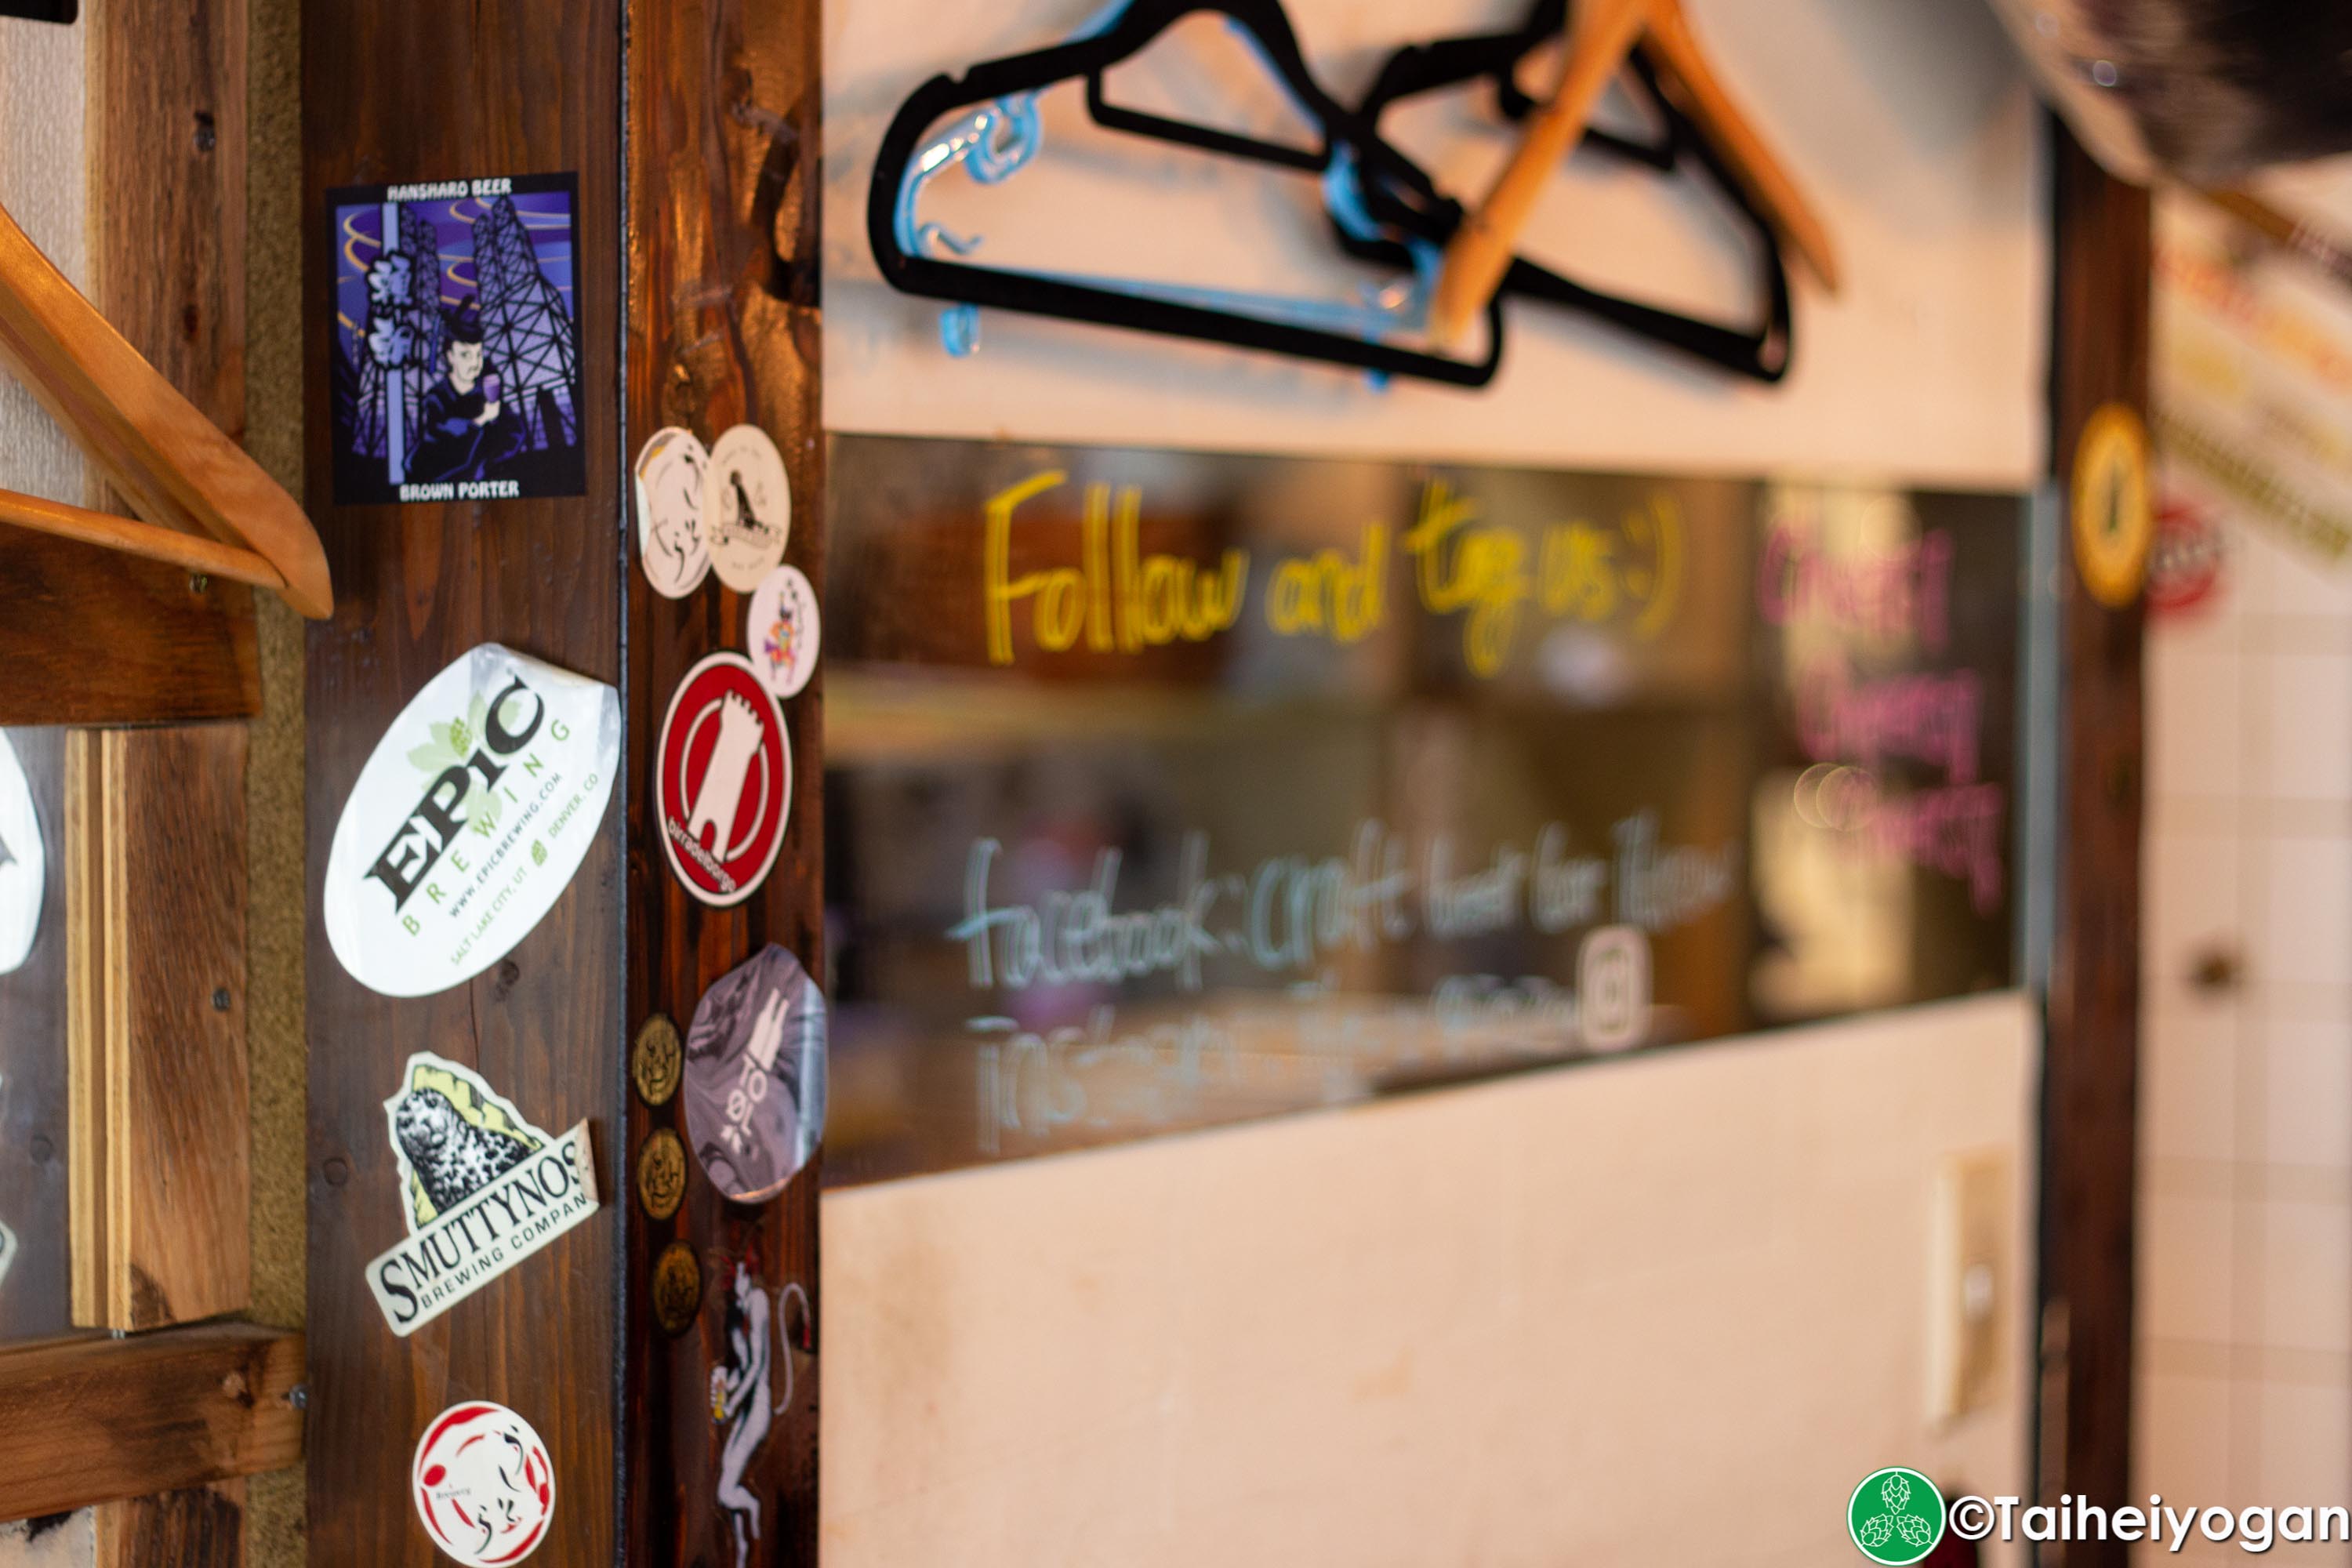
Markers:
669,513
747,507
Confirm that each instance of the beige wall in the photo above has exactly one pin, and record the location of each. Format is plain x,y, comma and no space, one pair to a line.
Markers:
1533,1322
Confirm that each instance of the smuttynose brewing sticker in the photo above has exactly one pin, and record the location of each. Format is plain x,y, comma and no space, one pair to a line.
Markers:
747,507
469,820
23,863
669,513
482,1190
755,1076
723,785
781,632
483,1485
455,342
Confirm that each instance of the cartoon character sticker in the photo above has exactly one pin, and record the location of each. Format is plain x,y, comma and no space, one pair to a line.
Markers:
741,1401
23,863
456,355
669,513
481,1187
483,1485
747,507
755,1076
781,632
723,780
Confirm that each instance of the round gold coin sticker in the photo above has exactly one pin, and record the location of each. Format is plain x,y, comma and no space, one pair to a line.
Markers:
657,1061
661,1173
677,1288
2115,515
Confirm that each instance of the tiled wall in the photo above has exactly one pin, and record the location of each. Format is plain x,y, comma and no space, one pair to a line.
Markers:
2245,1239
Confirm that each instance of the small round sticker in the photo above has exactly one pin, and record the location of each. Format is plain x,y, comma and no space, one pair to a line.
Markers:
669,513
723,784
677,1288
2115,517
783,632
755,1076
747,507
483,1485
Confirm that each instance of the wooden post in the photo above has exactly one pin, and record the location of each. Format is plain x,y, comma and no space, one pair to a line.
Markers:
725,103
431,91
2099,355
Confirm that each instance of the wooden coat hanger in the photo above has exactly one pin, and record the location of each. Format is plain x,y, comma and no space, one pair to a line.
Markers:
1601,34
206,506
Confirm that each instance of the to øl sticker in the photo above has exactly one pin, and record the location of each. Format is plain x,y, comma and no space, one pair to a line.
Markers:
723,780
669,513
747,507
482,1189
483,1485
23,865
781,631
755,1076
469,820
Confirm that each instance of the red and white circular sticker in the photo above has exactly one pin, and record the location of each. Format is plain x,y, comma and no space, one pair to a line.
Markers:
483,1483
723,780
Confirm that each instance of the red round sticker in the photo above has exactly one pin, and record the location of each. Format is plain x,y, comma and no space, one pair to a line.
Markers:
483,1485
2184,565
723,786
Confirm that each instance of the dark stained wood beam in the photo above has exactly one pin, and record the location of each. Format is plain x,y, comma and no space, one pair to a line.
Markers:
2104,250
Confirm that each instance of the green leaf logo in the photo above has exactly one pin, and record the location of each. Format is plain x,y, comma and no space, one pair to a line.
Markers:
1895,1516
451,745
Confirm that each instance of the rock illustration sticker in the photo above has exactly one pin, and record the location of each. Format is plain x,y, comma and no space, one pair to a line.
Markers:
781,630
23,863
747,507
482,1189
755,1076
469,820
669,513
723,780
483,1485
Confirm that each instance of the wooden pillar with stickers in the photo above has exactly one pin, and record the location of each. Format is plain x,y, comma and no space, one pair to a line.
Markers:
567,1034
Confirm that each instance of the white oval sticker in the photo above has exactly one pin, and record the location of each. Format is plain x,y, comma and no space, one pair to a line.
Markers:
469,820
23,863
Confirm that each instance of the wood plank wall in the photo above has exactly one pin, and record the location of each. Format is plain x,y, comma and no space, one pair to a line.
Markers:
725,102
429,89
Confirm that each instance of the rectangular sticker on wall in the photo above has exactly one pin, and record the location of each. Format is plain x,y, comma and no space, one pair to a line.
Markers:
456,368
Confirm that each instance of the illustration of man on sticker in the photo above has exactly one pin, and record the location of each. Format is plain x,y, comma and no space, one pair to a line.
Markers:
455,364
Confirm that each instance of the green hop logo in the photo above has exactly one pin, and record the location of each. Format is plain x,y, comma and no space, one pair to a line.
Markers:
1895,1516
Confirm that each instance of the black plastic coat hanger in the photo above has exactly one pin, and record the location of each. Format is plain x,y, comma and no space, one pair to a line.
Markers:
1342,131
1762,353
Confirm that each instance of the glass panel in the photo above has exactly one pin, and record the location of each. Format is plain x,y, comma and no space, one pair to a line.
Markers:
34,1288
1166,790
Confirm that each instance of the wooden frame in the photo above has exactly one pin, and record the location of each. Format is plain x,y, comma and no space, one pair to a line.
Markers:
155,933
91,1421
98,637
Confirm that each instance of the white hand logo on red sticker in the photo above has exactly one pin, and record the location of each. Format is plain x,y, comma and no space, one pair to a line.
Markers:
723,788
